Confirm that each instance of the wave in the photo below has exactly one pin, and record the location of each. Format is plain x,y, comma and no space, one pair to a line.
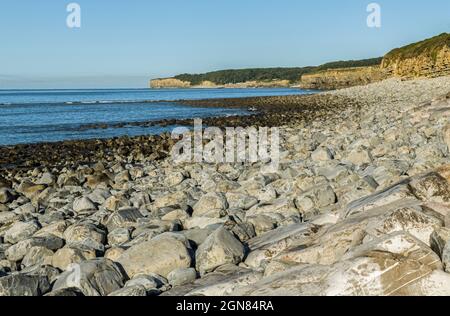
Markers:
84,102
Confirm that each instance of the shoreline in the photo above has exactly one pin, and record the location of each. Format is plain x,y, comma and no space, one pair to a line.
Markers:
271,112
361,197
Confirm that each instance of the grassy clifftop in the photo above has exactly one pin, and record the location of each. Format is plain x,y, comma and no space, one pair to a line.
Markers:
233,76
429,47
428,58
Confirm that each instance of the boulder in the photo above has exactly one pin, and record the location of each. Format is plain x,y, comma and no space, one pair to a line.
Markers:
211,205
272,243
119,236
395,265
220,248
20,231
123,218
23,285
37,256
130,291
160,255
322,154
182,276
7,196
83,204
85,233
68,255
18,251
98,277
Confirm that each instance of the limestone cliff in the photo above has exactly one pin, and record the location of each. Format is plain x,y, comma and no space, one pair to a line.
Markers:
429,58
176,83
342,78
168,83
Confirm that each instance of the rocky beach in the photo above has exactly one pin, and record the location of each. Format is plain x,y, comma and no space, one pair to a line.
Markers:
360,205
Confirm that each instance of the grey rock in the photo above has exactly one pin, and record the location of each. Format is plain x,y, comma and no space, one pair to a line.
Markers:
123,218
220,248
20,231
83,204
160,255
136,290
23,285
182,276
98,277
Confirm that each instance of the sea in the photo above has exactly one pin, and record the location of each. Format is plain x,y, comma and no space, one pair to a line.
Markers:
35,116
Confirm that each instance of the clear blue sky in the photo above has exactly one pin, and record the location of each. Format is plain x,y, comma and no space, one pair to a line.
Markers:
124,43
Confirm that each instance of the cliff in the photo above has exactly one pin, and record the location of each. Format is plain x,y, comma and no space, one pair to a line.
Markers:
342,78
176,83
428,58
168,83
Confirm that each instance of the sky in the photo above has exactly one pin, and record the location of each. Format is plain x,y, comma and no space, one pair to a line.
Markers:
125,43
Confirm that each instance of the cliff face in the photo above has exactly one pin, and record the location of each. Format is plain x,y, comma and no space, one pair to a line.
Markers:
433,64
169,83
175,83
428,58
342,78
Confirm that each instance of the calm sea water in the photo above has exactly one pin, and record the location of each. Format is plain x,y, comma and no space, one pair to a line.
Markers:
31,116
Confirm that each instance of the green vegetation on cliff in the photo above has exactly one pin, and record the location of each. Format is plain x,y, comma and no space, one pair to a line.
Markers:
350,64
429,47
222,77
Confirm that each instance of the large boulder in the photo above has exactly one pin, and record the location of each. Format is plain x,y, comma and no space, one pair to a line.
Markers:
211,205
20,231
98,277
83,204
398,264
18,251
85,233
220,248
69,255
270,244
160,255
123,218
23,285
